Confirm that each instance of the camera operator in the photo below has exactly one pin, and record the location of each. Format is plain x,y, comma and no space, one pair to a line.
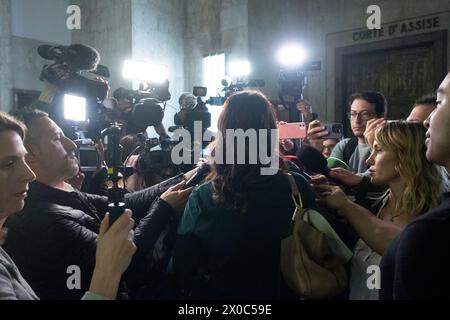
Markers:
57,217
76,71
194,110
140,109
136,111
93,182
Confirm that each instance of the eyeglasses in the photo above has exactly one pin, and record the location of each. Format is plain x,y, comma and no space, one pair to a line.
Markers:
364,115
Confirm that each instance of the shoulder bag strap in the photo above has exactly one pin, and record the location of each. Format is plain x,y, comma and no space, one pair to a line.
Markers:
296,198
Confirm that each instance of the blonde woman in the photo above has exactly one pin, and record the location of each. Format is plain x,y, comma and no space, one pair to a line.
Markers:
397,160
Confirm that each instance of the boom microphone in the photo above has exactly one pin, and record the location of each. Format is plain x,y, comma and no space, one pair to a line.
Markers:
77,56
48,52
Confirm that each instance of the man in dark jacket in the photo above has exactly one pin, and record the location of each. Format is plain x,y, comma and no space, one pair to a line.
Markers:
53,240
416,264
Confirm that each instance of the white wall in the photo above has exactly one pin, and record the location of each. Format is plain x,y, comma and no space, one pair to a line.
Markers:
43,20
321,26
158,34
32,23
106,26
5,56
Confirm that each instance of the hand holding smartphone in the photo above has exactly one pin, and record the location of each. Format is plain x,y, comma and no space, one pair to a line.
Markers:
335,131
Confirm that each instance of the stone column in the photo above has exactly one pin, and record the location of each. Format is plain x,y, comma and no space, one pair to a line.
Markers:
6,78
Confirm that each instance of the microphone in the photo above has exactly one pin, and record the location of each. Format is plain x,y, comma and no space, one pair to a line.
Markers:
173,128
49,52
201,173
77,56
337,163
294,165
313,161
187,101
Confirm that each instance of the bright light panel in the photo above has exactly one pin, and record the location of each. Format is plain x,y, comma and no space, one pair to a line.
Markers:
213,72
291,55
239,68
74,108
143,71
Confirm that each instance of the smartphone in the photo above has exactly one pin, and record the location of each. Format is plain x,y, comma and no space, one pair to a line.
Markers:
335,131
296,130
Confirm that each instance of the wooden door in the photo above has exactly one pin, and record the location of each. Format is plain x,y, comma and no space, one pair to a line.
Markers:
402,69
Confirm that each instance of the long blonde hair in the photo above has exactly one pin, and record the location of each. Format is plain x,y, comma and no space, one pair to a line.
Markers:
423,179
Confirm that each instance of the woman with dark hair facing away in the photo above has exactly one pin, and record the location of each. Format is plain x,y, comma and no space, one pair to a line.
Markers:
115,246
229,238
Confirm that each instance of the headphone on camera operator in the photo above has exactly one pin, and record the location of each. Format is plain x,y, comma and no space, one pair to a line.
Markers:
73,95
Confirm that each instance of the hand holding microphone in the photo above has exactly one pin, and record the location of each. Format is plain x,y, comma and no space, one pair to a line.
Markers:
201,173
177,196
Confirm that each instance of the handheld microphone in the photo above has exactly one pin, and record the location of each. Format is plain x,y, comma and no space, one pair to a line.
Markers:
333,162
116,205
313,161
201,173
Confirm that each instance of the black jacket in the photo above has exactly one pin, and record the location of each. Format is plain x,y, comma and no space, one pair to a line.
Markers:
416,264
58,229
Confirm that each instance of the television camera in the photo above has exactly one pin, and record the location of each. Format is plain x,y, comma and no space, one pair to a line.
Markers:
231,87
292,83
142,108
77,107
193,109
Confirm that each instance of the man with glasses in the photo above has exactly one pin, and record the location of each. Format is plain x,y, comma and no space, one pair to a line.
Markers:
364,107
367,110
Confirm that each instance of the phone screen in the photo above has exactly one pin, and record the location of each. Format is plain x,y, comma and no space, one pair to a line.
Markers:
335,131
